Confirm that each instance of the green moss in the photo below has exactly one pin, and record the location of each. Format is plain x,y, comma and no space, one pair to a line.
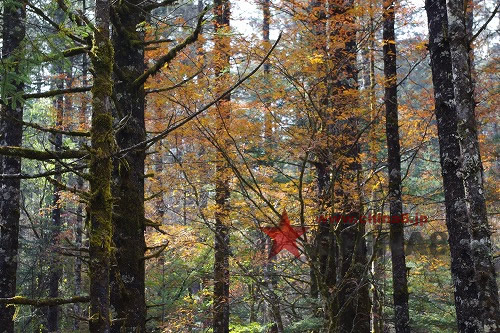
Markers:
102,54
103,147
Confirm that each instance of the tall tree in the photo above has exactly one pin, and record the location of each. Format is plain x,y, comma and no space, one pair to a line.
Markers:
80,182
340,253
377,243
222,173
11,133
457,222
128,274
103,146
55,270
269,269
460,26
399,277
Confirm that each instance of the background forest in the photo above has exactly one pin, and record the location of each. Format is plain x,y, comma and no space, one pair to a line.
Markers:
145,145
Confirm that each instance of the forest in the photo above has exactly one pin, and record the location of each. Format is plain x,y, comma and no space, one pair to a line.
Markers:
249,166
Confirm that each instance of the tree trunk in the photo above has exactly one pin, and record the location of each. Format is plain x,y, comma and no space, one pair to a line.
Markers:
128,273
399,279
269,269
79,212
11,134
472,167
102,147
268,119
462,264
222,173
340,257
378,245
55,269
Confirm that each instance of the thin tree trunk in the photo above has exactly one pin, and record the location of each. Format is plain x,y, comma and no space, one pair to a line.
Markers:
222,190
55,269
79,211
399,279
378,246
269,269
128,275
78,260
378,277
11,134
462,264
268,119
472,167
273,301
102,147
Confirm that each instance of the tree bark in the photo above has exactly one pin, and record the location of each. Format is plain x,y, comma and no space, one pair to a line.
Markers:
472,167
102,147
128,272
10,135
222,173
399,278
462,264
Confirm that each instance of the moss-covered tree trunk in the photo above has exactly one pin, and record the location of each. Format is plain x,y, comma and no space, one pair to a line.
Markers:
102,147
11,134
127,278
472,167
399,278
222,172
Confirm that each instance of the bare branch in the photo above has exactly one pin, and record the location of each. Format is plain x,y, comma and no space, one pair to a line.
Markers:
39,154
21,300
39,175
52,93
172,53
54,130
175,86
158,41
485,24
156,253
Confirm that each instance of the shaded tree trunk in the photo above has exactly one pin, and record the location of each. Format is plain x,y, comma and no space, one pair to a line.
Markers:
128,272
55,269
79,211
399,279
102,147
462,263
222,173
472,167
11,134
